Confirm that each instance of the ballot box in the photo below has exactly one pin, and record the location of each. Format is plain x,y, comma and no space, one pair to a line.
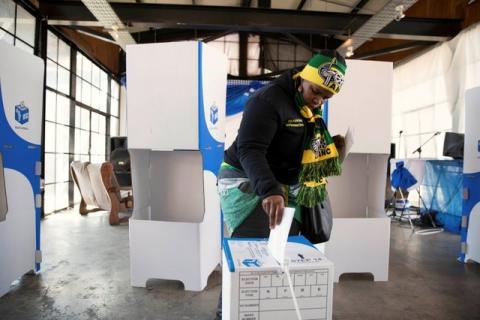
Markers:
255,286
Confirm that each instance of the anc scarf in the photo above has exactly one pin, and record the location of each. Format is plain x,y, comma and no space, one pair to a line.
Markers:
320,157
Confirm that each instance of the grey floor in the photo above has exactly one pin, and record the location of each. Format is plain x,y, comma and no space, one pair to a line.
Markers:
85,275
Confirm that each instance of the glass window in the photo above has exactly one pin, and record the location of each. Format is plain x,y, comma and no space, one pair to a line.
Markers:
92,118
103,81
63,110
52,46
78,89
115,89
49,168
49,198
25,26
98,158
7,15
114,106
85,118
61,195
62,168
87,70
96,76
86,93
85,142
64,54
6,37
78,141
51,74
49,137
63,80
102,101
95,97
79,64
63,137
50,106
113,127
102,124
94,123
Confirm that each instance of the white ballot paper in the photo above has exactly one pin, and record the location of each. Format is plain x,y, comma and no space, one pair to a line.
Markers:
277,241
348,141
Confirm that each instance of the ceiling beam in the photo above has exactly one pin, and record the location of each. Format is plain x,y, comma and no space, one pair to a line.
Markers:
301,4
394,49
244,19
359,6
94,33
208,17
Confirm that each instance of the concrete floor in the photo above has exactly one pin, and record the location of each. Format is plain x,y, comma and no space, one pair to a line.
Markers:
85,275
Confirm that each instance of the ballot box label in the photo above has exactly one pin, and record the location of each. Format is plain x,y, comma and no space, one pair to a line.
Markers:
266,294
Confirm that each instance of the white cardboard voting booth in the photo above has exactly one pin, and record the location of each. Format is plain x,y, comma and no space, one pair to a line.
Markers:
21,96
254,286
360,240
176,95
470,232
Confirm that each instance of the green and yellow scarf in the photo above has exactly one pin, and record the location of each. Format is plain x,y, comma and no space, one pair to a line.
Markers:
320,156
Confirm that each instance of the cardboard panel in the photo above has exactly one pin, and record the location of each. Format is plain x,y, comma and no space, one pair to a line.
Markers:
176,184
365,105
162,96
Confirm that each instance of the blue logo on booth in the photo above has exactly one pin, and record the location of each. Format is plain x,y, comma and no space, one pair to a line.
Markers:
213,114
251,263
22,114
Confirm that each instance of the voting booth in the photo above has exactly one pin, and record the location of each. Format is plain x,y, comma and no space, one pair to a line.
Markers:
176,128
360,239
21,100
470,233
255,287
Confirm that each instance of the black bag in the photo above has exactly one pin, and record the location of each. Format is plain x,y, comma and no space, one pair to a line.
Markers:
317,222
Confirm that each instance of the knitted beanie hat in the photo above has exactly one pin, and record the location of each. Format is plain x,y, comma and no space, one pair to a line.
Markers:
326,69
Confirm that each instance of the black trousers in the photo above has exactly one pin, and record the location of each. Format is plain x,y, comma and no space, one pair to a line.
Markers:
256,225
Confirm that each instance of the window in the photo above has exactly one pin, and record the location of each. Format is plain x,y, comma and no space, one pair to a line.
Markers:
17,26
78,120
57,125
230,46
114,108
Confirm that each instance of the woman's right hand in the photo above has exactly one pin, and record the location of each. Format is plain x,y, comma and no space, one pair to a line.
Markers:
273,207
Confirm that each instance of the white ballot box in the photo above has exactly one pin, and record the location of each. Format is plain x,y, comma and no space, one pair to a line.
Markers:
255,287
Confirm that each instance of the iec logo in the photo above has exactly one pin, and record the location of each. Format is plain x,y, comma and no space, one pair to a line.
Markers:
21,113
213,114
251,263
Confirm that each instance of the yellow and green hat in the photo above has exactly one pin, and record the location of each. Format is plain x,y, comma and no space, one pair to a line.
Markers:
326,69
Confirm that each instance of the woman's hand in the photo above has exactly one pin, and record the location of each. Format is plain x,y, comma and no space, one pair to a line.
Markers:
273,207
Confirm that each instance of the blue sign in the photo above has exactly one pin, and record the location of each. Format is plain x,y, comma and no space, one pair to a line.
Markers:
478,146
213,114
251,263
21,113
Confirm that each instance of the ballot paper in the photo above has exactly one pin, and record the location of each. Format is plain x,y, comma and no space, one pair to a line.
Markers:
348,141
277,241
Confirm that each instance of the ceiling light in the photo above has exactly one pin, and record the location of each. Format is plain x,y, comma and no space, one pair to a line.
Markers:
399,12
349,52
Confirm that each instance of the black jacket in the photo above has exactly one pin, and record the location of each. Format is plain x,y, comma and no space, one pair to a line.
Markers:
270,141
